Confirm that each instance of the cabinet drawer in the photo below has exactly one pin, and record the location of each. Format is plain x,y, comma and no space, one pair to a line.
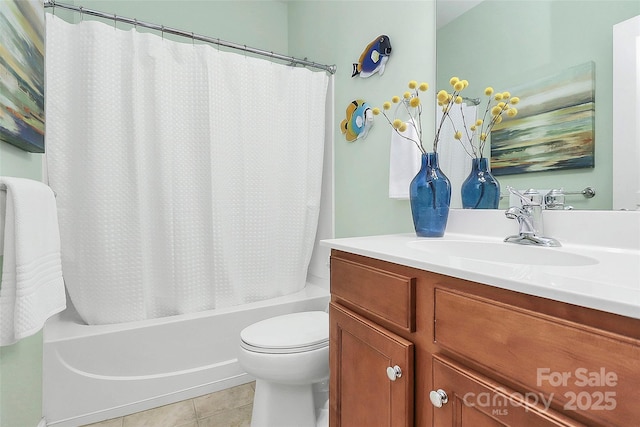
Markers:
383,295
477,401
586,371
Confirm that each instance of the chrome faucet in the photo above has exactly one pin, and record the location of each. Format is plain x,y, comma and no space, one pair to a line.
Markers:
529,218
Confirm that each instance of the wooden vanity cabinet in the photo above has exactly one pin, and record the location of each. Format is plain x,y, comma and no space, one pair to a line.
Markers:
363,354
501,358
372,367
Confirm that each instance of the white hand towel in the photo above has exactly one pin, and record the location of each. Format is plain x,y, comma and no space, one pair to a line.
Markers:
404,162
452,157
32,288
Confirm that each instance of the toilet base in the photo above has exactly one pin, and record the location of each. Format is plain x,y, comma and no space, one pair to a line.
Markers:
283,405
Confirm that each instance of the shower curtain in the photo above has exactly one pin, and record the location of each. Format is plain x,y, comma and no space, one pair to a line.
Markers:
187,178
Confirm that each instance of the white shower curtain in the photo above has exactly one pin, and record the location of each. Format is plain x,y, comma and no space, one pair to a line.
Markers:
187,178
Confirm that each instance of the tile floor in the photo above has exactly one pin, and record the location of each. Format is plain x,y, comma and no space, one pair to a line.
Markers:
227,408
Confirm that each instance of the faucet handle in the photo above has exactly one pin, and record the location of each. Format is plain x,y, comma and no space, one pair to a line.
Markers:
554,199
531,197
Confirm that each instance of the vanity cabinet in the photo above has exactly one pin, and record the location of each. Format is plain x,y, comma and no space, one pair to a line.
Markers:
370,363
472,354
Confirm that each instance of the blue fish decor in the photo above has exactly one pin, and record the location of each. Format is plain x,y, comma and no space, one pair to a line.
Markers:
374,58
358,122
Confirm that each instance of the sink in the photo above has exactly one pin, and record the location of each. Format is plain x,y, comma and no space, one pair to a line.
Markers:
502,252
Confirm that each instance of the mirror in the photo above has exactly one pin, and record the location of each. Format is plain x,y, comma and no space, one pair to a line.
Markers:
506,44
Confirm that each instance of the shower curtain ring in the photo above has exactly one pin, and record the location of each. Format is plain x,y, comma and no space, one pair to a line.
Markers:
81,14
193,39
115,22
135,24
162,31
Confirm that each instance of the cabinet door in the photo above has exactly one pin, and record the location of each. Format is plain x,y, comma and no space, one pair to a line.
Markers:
361,392
476,401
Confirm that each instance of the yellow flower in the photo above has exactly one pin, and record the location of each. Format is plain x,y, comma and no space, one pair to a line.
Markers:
475,136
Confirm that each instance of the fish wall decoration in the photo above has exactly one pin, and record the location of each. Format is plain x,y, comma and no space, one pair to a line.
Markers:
358,121
373,58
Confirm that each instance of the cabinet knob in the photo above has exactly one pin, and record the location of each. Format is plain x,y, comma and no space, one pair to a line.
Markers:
438,398
394,372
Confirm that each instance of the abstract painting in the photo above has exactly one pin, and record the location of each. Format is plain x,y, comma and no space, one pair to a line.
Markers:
22,74
554,126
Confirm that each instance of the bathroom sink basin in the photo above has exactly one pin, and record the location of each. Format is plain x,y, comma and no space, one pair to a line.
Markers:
502,252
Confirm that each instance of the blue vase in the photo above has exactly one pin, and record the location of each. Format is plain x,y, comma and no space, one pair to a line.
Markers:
480,190
430,196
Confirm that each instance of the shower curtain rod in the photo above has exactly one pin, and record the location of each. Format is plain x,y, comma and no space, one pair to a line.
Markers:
292,61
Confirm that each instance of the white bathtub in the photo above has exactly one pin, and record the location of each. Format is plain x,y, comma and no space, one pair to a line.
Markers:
93,373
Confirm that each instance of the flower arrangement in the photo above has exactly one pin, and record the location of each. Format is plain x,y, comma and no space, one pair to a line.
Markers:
476,134
411,104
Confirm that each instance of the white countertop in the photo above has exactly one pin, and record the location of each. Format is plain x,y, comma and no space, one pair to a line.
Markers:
610,282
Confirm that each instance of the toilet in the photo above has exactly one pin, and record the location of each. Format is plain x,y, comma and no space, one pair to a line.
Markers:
289,357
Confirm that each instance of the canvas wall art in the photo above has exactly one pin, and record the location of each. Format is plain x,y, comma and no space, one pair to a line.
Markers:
22,74
554,128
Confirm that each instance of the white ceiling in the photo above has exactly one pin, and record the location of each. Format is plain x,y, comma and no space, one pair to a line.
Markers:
448,10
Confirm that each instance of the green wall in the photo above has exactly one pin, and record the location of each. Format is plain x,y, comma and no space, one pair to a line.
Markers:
507,43
21,383
336,32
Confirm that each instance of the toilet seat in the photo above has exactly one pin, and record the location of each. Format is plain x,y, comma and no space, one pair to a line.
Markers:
290,333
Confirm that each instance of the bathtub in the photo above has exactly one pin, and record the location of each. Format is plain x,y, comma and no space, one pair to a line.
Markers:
93,373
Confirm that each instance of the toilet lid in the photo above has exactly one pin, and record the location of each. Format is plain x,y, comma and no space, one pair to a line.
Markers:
291,333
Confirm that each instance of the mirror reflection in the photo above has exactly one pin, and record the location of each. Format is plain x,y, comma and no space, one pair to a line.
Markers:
510,44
